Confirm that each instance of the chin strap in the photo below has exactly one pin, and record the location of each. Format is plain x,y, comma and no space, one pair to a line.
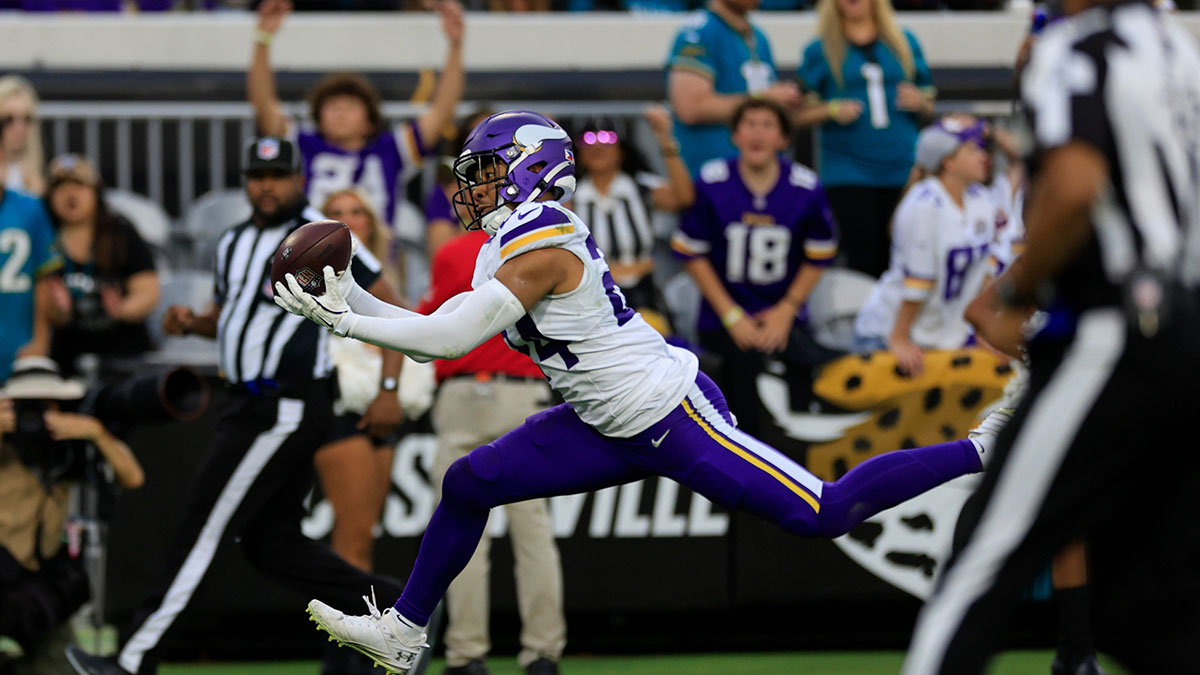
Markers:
491,222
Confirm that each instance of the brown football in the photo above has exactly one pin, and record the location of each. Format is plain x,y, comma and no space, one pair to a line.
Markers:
305,253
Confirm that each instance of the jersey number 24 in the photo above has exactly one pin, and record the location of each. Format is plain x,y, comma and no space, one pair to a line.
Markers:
547,347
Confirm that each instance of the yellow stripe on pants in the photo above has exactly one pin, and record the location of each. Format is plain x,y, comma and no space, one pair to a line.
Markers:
749,457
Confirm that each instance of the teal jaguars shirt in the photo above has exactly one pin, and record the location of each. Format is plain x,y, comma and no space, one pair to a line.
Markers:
26,253
877,149
736,64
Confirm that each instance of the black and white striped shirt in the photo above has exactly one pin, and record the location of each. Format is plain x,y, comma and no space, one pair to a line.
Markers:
620,220
258,341
1124,78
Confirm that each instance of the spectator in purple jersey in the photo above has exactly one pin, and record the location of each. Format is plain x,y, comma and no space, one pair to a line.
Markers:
756,242
441,223
350,146
95,6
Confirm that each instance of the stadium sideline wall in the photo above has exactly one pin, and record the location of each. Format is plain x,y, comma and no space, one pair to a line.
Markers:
496,42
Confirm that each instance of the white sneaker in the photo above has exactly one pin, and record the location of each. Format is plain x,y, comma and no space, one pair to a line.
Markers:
983,436
388,638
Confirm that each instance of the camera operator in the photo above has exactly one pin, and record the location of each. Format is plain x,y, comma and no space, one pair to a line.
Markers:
41,583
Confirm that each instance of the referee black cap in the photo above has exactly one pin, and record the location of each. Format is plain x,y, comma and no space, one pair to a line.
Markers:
270,153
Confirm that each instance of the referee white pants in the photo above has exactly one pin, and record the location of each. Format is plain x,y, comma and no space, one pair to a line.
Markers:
466,415
1103,411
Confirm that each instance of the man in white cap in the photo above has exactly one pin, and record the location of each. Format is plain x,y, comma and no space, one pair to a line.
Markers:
941,233
41,586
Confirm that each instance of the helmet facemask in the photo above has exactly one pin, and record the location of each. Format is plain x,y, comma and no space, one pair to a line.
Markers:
477,169
474,171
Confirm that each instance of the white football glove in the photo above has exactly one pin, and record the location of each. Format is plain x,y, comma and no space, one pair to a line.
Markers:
329,310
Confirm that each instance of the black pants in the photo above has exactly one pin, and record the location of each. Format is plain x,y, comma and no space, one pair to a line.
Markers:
864,216
1101,449
251,489
737,375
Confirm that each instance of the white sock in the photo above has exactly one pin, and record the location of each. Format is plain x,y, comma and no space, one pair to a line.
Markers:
408,630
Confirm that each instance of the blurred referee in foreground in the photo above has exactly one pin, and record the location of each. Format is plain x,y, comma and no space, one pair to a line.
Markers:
1103,446
259,469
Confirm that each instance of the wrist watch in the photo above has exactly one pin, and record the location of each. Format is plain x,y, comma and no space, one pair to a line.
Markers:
388,384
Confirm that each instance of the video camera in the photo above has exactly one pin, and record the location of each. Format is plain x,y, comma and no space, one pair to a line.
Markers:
176,394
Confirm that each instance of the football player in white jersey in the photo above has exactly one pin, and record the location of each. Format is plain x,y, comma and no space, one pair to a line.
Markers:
942,231
635,406
1004,183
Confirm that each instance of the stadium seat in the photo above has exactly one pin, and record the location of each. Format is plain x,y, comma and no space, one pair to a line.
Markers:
834,304
208,217
150,219
410,223
683,299
193,289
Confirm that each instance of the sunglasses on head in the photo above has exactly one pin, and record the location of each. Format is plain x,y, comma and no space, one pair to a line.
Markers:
601,137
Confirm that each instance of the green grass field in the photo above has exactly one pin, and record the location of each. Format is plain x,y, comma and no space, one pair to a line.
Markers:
795,663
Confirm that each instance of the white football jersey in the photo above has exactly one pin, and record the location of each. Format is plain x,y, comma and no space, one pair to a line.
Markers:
616,371
1010,226
939,257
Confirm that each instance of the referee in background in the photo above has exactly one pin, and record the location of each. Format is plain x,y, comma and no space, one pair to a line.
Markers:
1112,95
259,468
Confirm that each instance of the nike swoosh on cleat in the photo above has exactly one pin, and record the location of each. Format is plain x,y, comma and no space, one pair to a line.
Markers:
660,439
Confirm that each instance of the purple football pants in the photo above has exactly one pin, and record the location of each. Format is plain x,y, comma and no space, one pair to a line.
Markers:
555,453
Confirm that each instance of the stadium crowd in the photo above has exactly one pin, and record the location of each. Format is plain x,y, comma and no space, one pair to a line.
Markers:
472,5
925,209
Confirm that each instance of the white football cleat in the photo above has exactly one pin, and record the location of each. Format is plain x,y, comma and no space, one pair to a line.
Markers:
393,642
983,436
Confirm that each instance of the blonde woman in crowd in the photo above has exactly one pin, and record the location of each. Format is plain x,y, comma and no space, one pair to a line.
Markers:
22,138
353,207
355,465
868,87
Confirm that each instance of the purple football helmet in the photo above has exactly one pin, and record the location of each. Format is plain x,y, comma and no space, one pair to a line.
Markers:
538,157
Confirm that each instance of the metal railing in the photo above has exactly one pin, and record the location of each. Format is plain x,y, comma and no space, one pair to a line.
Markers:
173,152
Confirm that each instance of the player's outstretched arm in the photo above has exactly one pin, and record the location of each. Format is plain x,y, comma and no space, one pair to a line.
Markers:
366,303
481,314
476,317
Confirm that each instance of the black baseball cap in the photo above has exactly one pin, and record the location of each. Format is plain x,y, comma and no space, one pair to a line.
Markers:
270,153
